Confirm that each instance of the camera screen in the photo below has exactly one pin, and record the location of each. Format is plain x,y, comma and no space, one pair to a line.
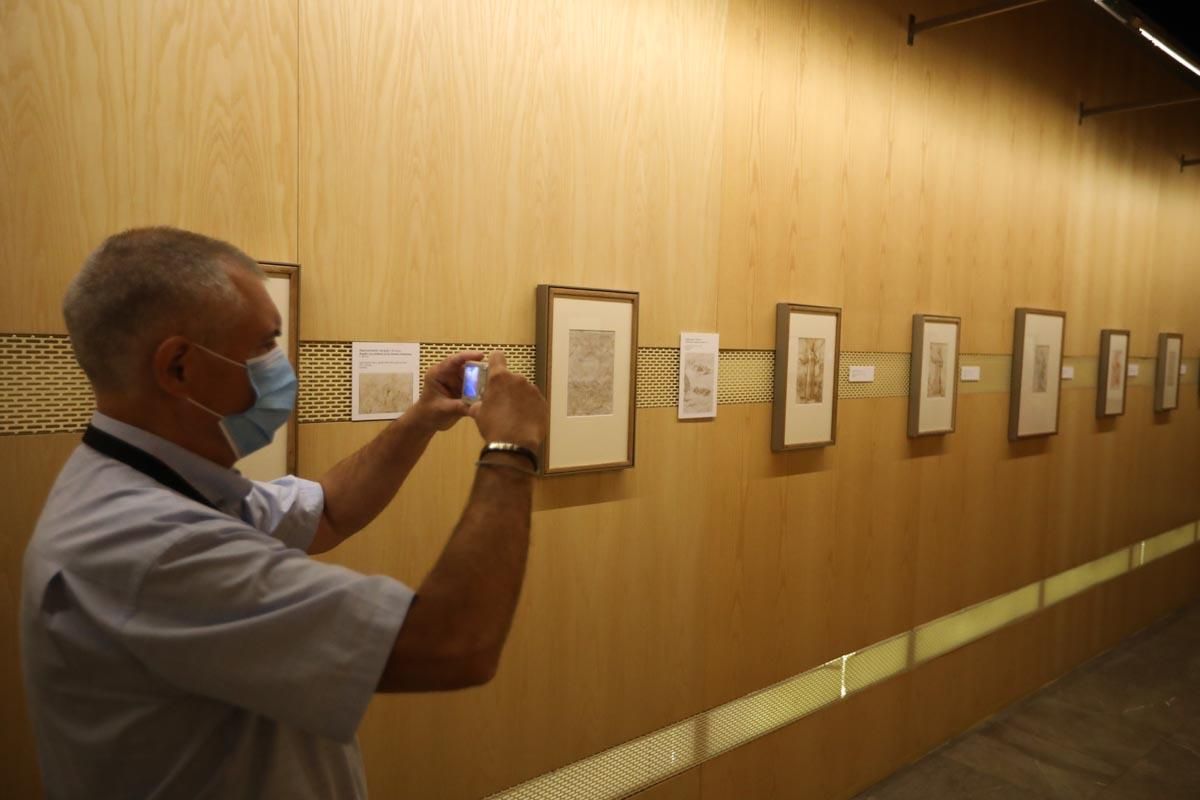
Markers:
471,381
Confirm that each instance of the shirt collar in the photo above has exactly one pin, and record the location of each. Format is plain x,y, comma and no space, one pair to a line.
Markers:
224,488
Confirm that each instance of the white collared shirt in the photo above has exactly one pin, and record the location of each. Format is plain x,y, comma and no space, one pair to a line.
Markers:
170,649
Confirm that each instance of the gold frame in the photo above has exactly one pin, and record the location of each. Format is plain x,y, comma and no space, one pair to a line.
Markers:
546,295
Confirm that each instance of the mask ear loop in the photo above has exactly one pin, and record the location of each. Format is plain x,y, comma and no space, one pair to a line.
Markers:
220,425
233,448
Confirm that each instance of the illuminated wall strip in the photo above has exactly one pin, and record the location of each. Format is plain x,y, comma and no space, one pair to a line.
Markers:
635,765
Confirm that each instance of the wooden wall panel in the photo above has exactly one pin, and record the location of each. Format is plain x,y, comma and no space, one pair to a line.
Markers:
429,163
28,467
121,114
470,152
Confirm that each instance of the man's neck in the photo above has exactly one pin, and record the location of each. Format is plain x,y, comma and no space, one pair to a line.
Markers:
173,427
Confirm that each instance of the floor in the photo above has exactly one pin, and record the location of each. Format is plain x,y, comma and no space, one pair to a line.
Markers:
1124,726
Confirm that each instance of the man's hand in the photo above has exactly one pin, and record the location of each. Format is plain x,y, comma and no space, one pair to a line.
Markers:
440,405
512,409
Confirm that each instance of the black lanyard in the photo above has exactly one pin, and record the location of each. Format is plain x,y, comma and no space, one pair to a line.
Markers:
142,461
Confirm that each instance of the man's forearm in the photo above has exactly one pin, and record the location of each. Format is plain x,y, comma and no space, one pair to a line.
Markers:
456,629
360,486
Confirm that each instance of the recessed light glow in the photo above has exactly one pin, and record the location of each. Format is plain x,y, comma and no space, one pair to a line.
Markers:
1157,43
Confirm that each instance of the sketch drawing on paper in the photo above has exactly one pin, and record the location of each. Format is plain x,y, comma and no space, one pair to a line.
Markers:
936,385
698,388
591,364
1041,368
1172,368
1116,372
810,370
385,392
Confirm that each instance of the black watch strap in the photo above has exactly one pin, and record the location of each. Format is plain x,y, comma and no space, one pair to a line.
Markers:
509,447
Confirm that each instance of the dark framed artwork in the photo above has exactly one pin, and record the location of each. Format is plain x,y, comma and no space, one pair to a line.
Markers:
586,367
1036,391
1166,373
807,348
279,457
933,387
1112,377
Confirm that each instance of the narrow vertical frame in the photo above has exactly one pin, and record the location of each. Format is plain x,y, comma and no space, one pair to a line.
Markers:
548,322
917,374
780,416
1018,402
1103,374
291,318
1160,372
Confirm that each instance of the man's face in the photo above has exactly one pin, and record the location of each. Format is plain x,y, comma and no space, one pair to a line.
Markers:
253,329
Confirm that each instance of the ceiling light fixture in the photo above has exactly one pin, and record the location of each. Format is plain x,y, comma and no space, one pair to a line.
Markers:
1161,46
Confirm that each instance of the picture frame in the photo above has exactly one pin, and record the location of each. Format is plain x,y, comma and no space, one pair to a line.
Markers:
1166,373
586,366
1036,391
933,387
279,457
807,360
1112,376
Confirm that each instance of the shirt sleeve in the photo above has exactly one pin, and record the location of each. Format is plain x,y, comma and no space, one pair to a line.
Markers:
230,613
288,508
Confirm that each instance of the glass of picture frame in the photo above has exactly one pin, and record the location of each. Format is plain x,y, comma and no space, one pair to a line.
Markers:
933,388
586,368
1166,374
807,347
1036,389
1112,376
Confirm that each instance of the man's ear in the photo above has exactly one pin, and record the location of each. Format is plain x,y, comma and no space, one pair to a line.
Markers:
171,365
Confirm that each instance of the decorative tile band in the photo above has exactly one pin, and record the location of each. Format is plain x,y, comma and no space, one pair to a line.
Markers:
42,389
635,765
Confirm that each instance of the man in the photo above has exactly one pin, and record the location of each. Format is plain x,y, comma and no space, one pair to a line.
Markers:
177,640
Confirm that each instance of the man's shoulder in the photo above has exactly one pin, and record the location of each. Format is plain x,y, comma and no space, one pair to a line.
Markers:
107,520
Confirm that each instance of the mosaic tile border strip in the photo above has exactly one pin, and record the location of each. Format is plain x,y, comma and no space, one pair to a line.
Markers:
640,763
42,389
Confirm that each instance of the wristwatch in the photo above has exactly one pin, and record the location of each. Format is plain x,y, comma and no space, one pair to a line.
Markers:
509,447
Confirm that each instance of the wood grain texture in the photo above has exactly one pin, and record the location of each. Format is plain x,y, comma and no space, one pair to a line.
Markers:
28,467
442,159
134,113
470,152
717,568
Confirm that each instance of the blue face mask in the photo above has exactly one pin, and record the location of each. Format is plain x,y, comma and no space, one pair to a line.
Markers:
274,384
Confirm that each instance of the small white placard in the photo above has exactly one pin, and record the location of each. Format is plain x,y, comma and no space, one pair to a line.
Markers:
862,374
383,379
1133,370
699,354
1183,369
971,374
1068,373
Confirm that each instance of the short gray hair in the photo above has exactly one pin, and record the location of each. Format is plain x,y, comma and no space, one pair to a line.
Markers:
141,286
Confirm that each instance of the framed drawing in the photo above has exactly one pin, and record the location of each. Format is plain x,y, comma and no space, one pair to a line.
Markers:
933,389
806,376
585,366
1112,379
1166,378
1036,373
279,457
